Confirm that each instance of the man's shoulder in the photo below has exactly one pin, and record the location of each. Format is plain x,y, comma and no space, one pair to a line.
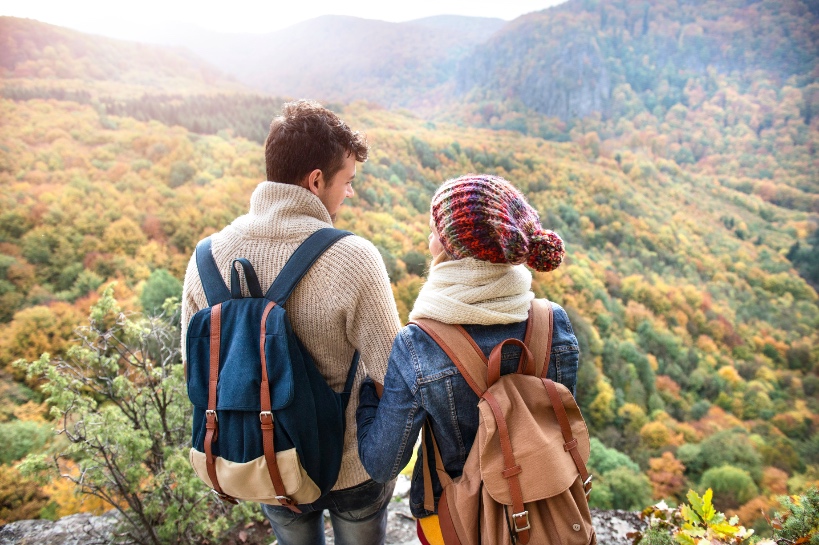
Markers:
354,249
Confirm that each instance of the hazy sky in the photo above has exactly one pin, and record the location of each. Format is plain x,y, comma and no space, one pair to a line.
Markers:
105,16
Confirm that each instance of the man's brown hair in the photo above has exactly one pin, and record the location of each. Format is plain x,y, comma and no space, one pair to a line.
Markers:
308,136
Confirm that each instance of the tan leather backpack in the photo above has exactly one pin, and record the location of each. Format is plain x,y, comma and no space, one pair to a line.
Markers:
525,479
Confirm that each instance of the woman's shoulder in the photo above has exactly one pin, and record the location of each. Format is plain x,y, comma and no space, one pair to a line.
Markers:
563,337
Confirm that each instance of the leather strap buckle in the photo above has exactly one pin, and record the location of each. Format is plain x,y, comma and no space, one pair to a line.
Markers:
224,497
587,485
211,413
284,500
264,414
524,517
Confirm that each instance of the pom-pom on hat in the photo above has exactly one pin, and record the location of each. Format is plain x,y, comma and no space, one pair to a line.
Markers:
487,218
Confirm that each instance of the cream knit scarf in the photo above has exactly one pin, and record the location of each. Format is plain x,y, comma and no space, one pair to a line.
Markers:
469,291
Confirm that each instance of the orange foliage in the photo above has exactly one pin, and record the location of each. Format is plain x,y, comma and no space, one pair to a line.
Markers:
666,475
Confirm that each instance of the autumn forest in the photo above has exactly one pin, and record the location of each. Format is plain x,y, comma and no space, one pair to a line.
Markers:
674,145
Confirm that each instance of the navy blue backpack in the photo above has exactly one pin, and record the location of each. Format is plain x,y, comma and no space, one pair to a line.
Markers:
266,425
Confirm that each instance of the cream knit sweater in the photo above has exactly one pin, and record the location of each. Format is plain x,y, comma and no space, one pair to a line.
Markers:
343,303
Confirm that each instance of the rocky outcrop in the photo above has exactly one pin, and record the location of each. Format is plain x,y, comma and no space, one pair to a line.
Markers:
85,529
81,529
567,81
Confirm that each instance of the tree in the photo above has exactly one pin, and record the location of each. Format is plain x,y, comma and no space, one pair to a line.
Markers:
603,459
666,475
119,398
20,498
39,329
630,489
21,438
732,486
160,286
416,263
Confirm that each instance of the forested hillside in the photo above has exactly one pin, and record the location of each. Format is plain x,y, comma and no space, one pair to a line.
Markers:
31,50
689,213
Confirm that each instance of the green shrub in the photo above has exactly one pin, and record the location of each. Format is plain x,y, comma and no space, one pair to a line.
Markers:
21,438
120,399
732,486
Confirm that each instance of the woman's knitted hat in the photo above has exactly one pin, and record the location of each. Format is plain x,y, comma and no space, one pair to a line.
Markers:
487,218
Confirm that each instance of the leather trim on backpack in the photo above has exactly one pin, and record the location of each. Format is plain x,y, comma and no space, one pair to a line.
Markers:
212,421
266,420
570,444
520,516
445,520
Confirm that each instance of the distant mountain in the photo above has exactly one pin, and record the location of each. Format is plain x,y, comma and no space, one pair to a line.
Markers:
339,58
38,51
565,61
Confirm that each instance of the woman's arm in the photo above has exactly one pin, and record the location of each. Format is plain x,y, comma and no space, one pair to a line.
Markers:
388,428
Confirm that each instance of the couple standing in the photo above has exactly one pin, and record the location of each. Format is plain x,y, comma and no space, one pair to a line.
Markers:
482,232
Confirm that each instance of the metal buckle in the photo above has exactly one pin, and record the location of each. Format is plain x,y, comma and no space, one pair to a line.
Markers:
515,516
587,485
210,412
284,500
224,497
263,413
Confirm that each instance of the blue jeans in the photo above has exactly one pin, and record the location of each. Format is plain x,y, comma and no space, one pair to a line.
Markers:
358,515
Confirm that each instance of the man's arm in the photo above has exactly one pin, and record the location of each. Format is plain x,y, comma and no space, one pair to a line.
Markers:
190,287
372,319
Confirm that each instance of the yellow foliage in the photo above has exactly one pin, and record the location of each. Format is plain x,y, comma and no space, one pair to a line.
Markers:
31,411
655,435
707,344
730,375
602,408
64,493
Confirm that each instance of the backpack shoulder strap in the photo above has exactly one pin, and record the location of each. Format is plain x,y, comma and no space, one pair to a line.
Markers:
539,334
461,349
215,289
570,444
443,476
301,261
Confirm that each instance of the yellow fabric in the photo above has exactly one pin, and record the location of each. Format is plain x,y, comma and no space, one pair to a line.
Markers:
250,481
431,527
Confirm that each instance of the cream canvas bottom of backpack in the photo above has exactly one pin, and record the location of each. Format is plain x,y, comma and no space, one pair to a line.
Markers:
525,479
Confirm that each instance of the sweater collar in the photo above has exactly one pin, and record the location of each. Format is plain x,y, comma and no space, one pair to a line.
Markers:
282,211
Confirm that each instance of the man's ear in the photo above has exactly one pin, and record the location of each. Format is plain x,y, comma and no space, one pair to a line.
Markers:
313,181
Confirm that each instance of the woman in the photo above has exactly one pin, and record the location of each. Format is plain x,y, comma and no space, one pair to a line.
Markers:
483,231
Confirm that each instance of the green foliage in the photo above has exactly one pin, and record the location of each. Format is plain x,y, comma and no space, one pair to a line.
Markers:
799,523
603,459
732,486
694,523
730,447
159,287
120,400
630,490
21,438
416,263
181,172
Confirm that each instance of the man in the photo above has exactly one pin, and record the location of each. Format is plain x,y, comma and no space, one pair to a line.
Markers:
344,302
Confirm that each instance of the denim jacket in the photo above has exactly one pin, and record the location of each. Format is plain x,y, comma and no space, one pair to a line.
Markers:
423,384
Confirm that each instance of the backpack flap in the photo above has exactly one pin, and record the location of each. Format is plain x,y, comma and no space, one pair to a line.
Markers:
535,437
240,376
